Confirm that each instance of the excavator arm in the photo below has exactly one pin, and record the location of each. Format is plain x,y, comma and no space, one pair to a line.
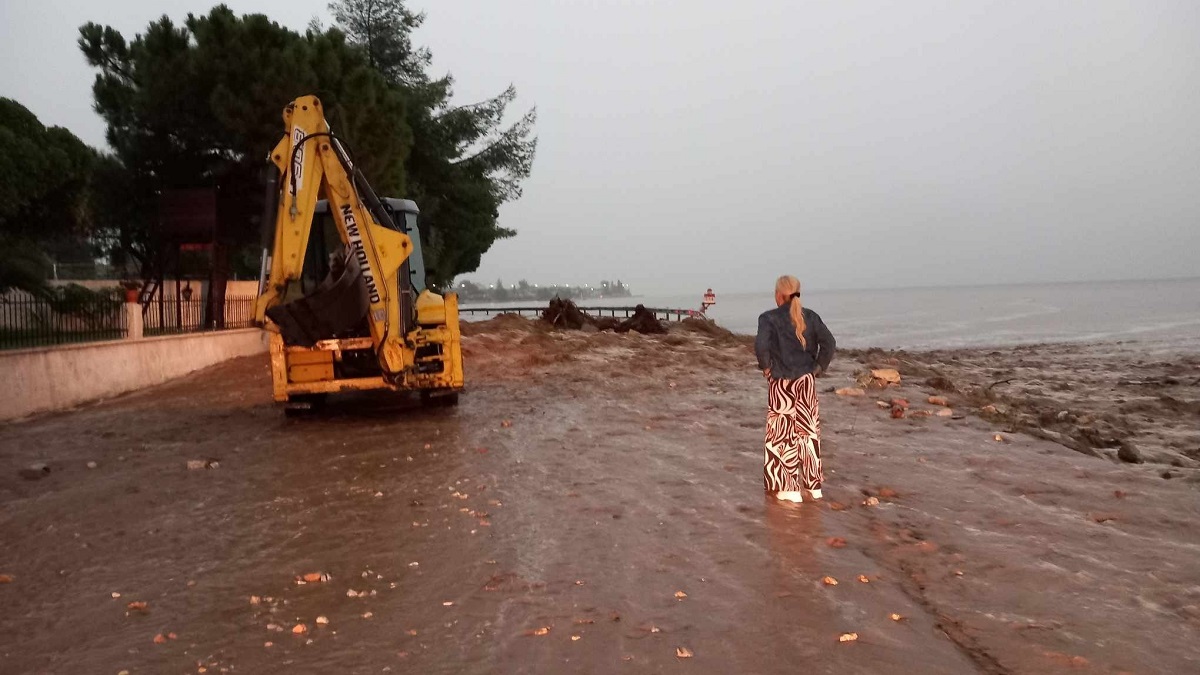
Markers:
313,164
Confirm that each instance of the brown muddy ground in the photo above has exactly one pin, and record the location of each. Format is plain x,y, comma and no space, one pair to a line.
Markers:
631,472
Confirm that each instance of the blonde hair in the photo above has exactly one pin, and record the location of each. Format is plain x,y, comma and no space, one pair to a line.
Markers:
787,285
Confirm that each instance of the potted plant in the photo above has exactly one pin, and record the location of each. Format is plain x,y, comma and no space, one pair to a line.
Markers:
132,290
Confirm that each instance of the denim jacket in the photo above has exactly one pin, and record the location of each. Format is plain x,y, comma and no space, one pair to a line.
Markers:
778,348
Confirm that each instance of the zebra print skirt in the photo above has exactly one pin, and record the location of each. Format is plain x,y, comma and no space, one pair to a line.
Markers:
793,436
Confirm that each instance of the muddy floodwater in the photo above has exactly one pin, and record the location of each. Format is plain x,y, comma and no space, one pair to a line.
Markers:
593,505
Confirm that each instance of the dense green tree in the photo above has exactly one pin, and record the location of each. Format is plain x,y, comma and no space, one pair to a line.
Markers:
45,192
464,161
199,105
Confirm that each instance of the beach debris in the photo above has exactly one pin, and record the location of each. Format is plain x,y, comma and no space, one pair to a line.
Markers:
1129,453
900,403
829,581
885,376
544,630
990,409
448,603
1000,439
322,621
680,595
506,424
137,606
945,412
920,413
883,404
864,578
197,464
655,629
898,412
367,615
312,578
575,637
848,637
850,391
895,617
160,639
92,465
683,653
835,542
299,629
35,472
871,501
939,400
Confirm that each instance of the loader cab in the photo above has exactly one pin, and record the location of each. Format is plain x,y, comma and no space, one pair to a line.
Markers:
324,240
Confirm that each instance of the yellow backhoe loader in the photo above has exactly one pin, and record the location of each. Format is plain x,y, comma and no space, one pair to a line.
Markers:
342,288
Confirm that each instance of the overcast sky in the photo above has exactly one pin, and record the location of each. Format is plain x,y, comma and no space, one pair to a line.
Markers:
694,143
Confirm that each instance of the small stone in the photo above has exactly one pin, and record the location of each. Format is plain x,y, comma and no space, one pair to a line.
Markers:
945,412
1129,453
92,465
939,400
322,620
851,391
900,403
195,464
299,629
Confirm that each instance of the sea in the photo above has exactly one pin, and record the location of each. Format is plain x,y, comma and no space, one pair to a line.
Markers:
1164,313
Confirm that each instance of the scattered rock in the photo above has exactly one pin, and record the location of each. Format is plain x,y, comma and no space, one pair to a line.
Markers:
92,465
847,637
683,652
939,400
322,620
851,391
897,412
888,493
945,412
1129,453
6,578
883,404
900,403
299,629
887,376
35,472
197,464
941,384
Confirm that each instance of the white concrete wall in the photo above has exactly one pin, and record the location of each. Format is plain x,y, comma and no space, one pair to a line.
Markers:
53,378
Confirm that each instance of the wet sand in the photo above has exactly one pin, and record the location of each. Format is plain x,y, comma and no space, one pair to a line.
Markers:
582,484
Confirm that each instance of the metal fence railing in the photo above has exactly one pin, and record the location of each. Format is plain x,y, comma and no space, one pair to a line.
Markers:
170,316
33,322
27,322
661,313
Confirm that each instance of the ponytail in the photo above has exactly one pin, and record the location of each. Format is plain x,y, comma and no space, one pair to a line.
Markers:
797,312
789,287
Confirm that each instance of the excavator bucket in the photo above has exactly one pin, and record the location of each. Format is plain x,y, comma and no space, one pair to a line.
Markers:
337,308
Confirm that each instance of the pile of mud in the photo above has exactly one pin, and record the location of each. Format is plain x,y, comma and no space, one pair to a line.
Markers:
501,323
707,328
565,314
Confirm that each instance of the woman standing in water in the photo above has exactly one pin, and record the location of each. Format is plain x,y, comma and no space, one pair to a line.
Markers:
793,347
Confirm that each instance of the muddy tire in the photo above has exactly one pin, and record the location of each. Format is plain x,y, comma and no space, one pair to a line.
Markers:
303,405
428,400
